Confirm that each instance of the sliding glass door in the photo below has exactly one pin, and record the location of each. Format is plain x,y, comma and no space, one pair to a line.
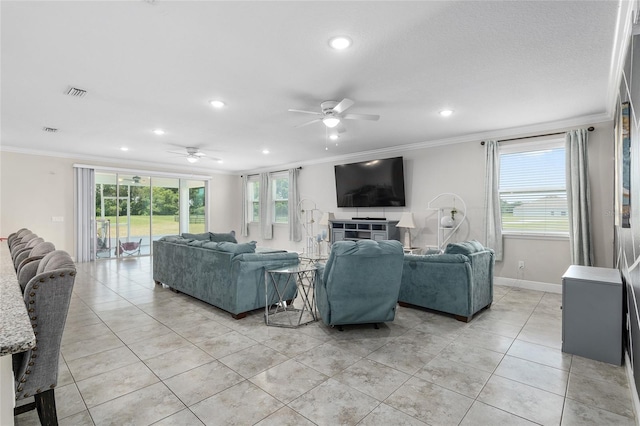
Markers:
196,190
133,225
166,207
134,210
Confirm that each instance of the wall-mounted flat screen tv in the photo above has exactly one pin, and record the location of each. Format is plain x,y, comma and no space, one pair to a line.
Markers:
375,183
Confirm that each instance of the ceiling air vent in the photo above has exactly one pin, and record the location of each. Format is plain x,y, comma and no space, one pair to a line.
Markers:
75,92
49,129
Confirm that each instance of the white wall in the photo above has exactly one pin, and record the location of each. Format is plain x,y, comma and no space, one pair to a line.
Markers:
33,189
459,168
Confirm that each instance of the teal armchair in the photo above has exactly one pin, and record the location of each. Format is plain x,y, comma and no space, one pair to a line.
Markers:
458,282
360,282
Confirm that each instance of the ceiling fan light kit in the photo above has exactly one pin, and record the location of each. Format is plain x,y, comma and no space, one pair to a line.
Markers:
193,155
331,122
340,42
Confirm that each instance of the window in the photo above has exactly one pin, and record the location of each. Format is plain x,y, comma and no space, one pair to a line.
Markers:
533,194
280,196
253,199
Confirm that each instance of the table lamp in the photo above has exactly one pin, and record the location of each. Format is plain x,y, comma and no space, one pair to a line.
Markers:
406,221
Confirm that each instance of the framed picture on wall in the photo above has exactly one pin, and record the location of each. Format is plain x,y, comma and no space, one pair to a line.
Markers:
622,175
624,136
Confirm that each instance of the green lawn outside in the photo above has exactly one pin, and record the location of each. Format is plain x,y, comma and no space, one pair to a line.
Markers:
162,225
511,223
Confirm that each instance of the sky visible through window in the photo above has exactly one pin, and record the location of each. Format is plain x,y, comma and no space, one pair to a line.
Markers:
535,170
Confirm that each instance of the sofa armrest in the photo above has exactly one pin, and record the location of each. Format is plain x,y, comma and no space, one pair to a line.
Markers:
436,258
266,257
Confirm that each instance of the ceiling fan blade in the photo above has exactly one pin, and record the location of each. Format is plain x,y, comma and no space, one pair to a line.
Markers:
308,122
199,154
340,128
304,112
371,117
343,106
177,153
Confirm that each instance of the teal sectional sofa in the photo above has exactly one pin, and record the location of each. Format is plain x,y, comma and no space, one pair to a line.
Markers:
216,269
458,282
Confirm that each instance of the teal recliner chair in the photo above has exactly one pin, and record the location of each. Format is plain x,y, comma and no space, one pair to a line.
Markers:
458,282
360,282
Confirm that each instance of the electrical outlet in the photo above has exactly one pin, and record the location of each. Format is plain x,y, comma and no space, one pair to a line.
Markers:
521,264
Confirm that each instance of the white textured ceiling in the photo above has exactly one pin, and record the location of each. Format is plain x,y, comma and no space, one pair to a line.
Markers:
149,65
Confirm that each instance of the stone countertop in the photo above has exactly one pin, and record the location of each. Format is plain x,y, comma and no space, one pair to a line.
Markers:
16,333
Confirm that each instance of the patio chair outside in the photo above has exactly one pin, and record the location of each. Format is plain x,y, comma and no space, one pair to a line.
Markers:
130,248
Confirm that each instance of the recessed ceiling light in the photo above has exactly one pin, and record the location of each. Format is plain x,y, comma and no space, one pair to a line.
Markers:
216,104
124,148
159,132
446,112
340,42
265,151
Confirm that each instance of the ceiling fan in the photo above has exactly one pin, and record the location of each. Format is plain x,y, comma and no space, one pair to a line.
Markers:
333,113
134,180
193,154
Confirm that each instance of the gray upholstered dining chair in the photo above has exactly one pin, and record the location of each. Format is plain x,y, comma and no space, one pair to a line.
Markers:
28,268
15,235
21,243
20,255
47,297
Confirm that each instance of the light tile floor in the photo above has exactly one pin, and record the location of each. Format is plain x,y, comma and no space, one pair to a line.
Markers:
135,353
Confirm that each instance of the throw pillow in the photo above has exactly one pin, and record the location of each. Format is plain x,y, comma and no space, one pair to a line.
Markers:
466,247
210,245
222,237
203,236
197,243
237,248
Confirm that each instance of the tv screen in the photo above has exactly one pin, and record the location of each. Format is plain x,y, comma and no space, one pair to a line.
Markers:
375,183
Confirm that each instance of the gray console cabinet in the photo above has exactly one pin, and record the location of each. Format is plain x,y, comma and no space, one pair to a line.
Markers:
376,230
592,313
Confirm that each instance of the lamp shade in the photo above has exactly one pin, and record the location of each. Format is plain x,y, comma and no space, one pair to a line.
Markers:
406,221
326,217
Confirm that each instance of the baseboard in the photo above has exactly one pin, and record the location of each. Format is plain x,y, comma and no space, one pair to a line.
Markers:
632,386
529,285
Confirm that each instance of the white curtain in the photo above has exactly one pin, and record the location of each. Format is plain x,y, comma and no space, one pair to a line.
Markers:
578,197
266,198
85,213
295,232
493,214
244,226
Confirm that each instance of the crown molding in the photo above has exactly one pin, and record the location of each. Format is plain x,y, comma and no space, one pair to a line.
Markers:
621,40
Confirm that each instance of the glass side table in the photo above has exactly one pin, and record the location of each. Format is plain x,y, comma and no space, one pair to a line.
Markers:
313,259
277,282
